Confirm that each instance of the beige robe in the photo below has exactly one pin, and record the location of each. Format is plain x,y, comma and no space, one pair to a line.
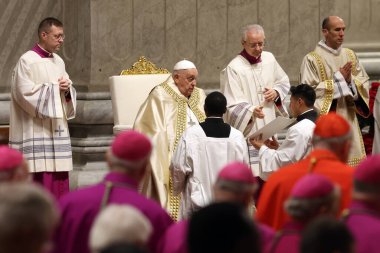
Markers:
243,85
163,117
39,113
318,70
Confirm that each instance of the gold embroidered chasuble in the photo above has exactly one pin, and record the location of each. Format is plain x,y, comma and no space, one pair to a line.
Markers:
164,117
317,70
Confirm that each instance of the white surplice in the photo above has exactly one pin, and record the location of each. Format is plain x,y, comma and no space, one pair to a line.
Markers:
296,146
243,84
197,162
39,113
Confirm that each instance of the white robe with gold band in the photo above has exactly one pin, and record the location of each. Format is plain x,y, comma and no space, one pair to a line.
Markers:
320,69
163,117
39,113
243,85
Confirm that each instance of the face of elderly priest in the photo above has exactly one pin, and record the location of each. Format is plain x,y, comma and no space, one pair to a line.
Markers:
186,80
253,42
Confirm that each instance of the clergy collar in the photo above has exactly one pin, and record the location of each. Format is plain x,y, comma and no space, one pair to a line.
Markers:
309,114
322,44
251,59
214,119
42,52
120,178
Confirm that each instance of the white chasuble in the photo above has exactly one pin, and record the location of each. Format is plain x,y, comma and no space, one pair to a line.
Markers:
163,117
320,69
39,113
243,84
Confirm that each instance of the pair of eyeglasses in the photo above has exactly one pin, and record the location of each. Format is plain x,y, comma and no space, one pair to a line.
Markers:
254,45
58,36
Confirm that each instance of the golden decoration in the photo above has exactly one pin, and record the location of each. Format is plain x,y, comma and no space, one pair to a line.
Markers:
351,56
329,84
174,201
143,67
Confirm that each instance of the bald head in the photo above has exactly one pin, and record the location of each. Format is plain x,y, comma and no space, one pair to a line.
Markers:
333,29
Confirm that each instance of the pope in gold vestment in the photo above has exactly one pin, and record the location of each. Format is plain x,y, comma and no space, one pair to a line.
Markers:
163,117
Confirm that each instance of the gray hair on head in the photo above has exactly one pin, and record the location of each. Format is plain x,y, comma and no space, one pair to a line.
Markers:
305,209
253,28
234,186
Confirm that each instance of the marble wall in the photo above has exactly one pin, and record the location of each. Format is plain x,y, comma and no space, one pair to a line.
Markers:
105,37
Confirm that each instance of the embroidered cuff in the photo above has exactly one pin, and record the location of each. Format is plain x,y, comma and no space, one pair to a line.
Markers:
341,88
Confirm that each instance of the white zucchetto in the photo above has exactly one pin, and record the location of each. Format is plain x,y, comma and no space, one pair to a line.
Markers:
184,64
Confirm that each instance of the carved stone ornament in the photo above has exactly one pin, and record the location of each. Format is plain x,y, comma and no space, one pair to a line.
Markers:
143,67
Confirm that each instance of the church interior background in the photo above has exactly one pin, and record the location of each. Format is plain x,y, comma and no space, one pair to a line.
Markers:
105,37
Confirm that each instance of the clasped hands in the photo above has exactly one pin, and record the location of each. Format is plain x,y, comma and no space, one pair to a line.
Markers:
346,71
258,142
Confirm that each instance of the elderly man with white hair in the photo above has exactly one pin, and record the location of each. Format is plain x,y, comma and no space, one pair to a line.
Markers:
119,224
255,87
170,108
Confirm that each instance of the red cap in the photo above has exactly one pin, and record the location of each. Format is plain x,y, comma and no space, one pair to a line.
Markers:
312,186
131,146
331,125
368,171
238,172
9,158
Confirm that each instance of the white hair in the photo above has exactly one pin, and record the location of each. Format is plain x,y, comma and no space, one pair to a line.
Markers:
119,224
253,28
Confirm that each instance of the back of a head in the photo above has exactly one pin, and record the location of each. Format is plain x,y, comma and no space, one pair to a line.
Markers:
118,224
215,104
305,92
130,150
235,183
222,228
367,179
12,165
327,235
311,196
28,216
333,132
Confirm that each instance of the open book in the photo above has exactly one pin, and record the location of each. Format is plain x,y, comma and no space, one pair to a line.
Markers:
273,127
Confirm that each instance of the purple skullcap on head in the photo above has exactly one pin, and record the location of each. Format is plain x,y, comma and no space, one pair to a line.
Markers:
131,146
368,171
9,158
331,125
312,186
238,172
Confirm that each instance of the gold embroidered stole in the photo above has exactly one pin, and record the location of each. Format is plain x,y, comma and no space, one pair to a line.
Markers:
182,103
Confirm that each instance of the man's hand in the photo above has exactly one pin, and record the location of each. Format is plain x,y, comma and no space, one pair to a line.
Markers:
270,94
272,144
64,84
258,112
257,142
346,71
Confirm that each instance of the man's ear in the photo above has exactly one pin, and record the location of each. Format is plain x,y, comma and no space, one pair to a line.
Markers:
325,32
